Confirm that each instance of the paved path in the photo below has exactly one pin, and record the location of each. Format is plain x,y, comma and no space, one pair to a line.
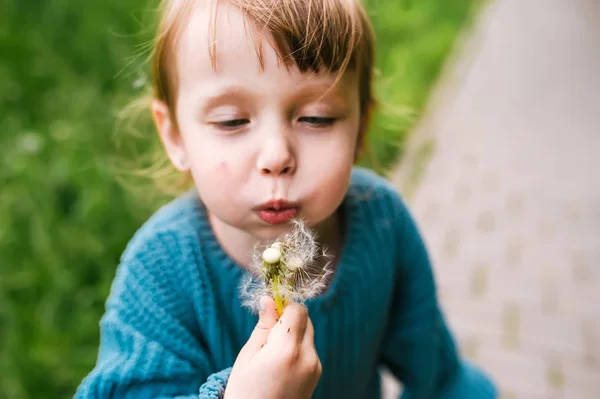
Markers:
509,201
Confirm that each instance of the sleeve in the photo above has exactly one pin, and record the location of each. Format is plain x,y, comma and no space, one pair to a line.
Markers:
418,347
150,344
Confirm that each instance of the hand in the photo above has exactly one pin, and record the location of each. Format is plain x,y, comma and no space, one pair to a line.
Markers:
279,360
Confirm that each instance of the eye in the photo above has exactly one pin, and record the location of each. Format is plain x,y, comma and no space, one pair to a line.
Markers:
231,124
317,121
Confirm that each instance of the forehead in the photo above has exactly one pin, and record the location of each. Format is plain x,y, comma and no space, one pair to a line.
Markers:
218,41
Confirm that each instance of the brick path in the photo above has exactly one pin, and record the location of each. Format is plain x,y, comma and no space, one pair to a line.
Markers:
509,201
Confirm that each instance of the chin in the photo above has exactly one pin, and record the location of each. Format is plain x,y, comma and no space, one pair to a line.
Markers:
270,233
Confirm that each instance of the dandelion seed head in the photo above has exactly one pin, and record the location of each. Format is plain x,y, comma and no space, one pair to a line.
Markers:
284,268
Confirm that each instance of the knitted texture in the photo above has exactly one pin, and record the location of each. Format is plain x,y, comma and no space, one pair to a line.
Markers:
174,322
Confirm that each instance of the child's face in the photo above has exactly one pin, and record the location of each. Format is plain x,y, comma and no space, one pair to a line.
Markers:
251,136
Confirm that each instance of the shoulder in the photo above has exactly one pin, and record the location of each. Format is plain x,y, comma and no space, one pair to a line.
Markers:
163,252
382,207
157,285
166,230
376,194
364,179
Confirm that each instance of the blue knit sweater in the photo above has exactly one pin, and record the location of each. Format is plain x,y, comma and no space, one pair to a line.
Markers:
174,323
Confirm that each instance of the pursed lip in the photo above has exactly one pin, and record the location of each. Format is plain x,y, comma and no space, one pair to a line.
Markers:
276,211
276,205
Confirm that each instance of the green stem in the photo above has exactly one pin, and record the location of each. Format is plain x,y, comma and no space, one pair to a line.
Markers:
279,303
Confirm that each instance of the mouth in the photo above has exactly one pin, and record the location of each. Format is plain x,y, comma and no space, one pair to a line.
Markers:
276,212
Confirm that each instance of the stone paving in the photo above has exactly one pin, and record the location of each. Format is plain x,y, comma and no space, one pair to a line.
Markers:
509,200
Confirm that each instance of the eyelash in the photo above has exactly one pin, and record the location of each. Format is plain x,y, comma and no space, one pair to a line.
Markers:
316,121
232,124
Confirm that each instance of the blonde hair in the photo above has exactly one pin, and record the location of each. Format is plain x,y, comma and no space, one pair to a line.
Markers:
313,35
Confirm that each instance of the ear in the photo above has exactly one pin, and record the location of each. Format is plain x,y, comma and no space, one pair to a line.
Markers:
169,135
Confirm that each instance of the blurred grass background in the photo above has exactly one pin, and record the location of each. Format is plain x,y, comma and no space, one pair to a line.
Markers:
66,69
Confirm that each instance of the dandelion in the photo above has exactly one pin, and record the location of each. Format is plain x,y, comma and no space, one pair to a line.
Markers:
286,269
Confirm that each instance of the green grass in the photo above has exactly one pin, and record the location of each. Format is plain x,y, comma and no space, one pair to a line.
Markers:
414,38
63,218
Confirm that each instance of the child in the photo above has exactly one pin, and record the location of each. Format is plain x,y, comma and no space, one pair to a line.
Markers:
265,104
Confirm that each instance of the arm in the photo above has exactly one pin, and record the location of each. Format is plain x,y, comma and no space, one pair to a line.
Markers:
419,348
149,342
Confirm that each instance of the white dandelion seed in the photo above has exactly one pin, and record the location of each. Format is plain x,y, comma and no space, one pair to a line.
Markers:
271,255
294,263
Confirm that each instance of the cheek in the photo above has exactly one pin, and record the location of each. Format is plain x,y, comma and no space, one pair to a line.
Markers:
214,160
328,192
334,186
332,154
217,175
217,186
207,176
328,166
213,172
220,174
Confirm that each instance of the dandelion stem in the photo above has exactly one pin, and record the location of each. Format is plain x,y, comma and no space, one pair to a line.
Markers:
277,296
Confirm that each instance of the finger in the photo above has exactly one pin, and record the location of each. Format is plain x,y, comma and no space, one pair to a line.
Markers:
309,334
291,325
267,318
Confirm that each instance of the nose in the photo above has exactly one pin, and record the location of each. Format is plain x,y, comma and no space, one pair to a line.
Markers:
276,156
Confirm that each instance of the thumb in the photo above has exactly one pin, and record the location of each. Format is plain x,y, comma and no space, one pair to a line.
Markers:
267,318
